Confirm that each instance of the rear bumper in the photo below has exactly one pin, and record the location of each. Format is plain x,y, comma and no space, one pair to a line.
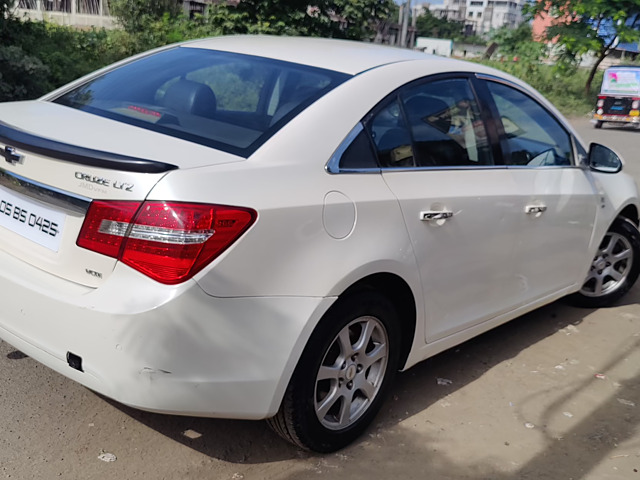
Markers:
616,118
165,349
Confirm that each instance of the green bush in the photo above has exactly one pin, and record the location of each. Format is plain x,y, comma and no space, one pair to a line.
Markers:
20,74
36,57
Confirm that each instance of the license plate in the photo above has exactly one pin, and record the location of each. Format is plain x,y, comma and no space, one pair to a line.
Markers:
617,118
31,220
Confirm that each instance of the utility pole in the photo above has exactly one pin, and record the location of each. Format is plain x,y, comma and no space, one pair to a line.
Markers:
406,9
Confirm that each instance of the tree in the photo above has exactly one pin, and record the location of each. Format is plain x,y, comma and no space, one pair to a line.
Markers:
353,19
518,42
358,18
36,57
134,15
584,26
427,25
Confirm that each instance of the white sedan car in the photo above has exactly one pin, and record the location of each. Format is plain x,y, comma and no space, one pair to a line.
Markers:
261,227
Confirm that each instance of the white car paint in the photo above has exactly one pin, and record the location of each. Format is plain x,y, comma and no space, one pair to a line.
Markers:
226,342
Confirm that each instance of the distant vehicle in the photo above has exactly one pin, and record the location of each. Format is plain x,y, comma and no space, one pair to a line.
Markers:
262,227
619,99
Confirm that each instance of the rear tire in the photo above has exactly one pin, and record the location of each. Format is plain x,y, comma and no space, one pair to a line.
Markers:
343,375
614,269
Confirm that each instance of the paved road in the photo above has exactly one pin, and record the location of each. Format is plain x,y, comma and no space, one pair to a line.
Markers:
554,394
624,140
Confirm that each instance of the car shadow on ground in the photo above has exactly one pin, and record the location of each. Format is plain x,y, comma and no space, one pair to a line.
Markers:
252,442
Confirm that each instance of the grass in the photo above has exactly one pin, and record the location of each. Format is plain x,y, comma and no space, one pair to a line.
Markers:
564,88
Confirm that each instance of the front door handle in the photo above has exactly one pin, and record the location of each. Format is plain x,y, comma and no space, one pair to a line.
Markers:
535,209
435,215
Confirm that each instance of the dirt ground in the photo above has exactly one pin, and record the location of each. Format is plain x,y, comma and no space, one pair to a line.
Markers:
552,395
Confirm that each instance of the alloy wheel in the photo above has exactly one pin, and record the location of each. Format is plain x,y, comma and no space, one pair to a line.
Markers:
610,267
351,373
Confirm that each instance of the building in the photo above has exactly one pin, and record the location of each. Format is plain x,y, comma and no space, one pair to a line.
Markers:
435,46
85,13
481,16
81,13
621,53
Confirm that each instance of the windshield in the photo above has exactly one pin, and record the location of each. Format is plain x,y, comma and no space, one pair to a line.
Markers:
228,101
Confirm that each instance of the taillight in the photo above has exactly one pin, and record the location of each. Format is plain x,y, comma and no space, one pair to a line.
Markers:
167,241
102,216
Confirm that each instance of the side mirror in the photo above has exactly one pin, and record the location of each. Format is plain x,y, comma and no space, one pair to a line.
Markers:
604,160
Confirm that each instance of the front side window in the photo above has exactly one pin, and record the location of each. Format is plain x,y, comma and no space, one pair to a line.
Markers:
534,137
228,101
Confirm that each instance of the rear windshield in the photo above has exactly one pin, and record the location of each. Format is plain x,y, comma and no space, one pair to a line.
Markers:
228,101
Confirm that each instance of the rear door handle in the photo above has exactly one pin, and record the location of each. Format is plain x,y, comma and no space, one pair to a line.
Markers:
435,215
535,209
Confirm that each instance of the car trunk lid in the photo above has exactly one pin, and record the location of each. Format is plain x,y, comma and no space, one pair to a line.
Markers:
54,161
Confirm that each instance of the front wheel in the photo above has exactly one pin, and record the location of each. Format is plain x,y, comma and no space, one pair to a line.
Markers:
615,267
599,124
342,376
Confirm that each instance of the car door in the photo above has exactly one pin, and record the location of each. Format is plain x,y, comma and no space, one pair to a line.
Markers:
558,202
458,206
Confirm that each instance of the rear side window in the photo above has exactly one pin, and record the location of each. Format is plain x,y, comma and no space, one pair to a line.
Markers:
359,154
445,123
228,101
391,137
431,124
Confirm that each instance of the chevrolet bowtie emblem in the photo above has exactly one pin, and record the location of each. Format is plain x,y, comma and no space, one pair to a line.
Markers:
11,156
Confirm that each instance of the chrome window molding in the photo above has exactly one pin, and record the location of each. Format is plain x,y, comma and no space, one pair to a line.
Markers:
541,167
357,170
333,165
444,168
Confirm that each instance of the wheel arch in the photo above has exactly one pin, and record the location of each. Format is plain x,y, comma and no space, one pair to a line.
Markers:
293,421
630,212
601,288
398,292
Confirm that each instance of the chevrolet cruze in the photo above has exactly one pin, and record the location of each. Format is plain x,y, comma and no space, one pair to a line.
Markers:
269,228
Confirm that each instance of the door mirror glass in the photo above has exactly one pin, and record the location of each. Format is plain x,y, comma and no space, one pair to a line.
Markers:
603,159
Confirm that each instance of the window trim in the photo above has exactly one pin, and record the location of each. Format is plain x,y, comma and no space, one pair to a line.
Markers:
485,116
333,165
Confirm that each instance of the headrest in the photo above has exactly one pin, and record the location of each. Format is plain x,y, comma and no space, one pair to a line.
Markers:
191,97
431,110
